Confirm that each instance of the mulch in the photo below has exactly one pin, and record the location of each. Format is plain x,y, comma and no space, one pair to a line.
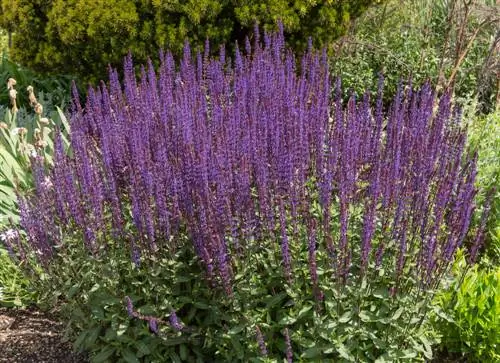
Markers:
32,336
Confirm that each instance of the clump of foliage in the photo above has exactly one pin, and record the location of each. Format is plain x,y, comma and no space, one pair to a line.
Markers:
81,37
23,138
15,287
238,213
483,134
454,43
469,311
52,91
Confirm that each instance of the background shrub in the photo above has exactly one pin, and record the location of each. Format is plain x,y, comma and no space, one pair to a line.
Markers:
483,134
453,43
82,38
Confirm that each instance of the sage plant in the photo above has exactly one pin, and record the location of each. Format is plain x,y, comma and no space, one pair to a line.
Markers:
234,152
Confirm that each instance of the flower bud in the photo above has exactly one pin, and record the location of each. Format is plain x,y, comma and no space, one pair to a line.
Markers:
38,109
12,93
11,83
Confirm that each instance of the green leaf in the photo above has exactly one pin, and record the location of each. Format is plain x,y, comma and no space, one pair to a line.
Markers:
367,316
63,120
78,343
381,293
398,313
92,336
237,347
183,352
344,352
287,320
275,300
303,312
313,352
427,346
129,356
236,330
142,348
103,355
73,290
346,317
174,357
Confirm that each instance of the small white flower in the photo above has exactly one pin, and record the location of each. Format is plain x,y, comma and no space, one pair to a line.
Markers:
47,183
12,93
15,131
9,235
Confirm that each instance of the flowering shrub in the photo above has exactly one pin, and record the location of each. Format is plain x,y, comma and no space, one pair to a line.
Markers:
258,217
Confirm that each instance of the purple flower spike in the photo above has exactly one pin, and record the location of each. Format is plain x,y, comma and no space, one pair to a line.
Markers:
175,323
260,341
153,325
288,345
130,307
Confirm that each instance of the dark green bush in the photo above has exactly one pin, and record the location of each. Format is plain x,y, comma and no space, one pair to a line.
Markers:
82,37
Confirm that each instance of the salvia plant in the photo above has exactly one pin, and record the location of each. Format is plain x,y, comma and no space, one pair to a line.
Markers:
318,229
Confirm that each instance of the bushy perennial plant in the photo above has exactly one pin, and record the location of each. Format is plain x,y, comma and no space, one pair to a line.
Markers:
254,154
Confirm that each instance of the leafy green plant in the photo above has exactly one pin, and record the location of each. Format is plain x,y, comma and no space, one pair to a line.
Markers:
483,136
468,312
450,42
22,138
16,289
52,91
364,322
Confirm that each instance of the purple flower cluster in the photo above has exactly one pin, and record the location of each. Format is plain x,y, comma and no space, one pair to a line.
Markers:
234,151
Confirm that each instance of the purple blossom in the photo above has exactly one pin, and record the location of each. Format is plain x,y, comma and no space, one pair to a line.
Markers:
174,321
130,307
153,325
260,341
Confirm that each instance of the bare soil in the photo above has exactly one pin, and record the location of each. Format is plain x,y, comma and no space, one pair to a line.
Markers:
32,336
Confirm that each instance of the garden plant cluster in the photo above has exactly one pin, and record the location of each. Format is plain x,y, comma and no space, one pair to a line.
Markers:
249,207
